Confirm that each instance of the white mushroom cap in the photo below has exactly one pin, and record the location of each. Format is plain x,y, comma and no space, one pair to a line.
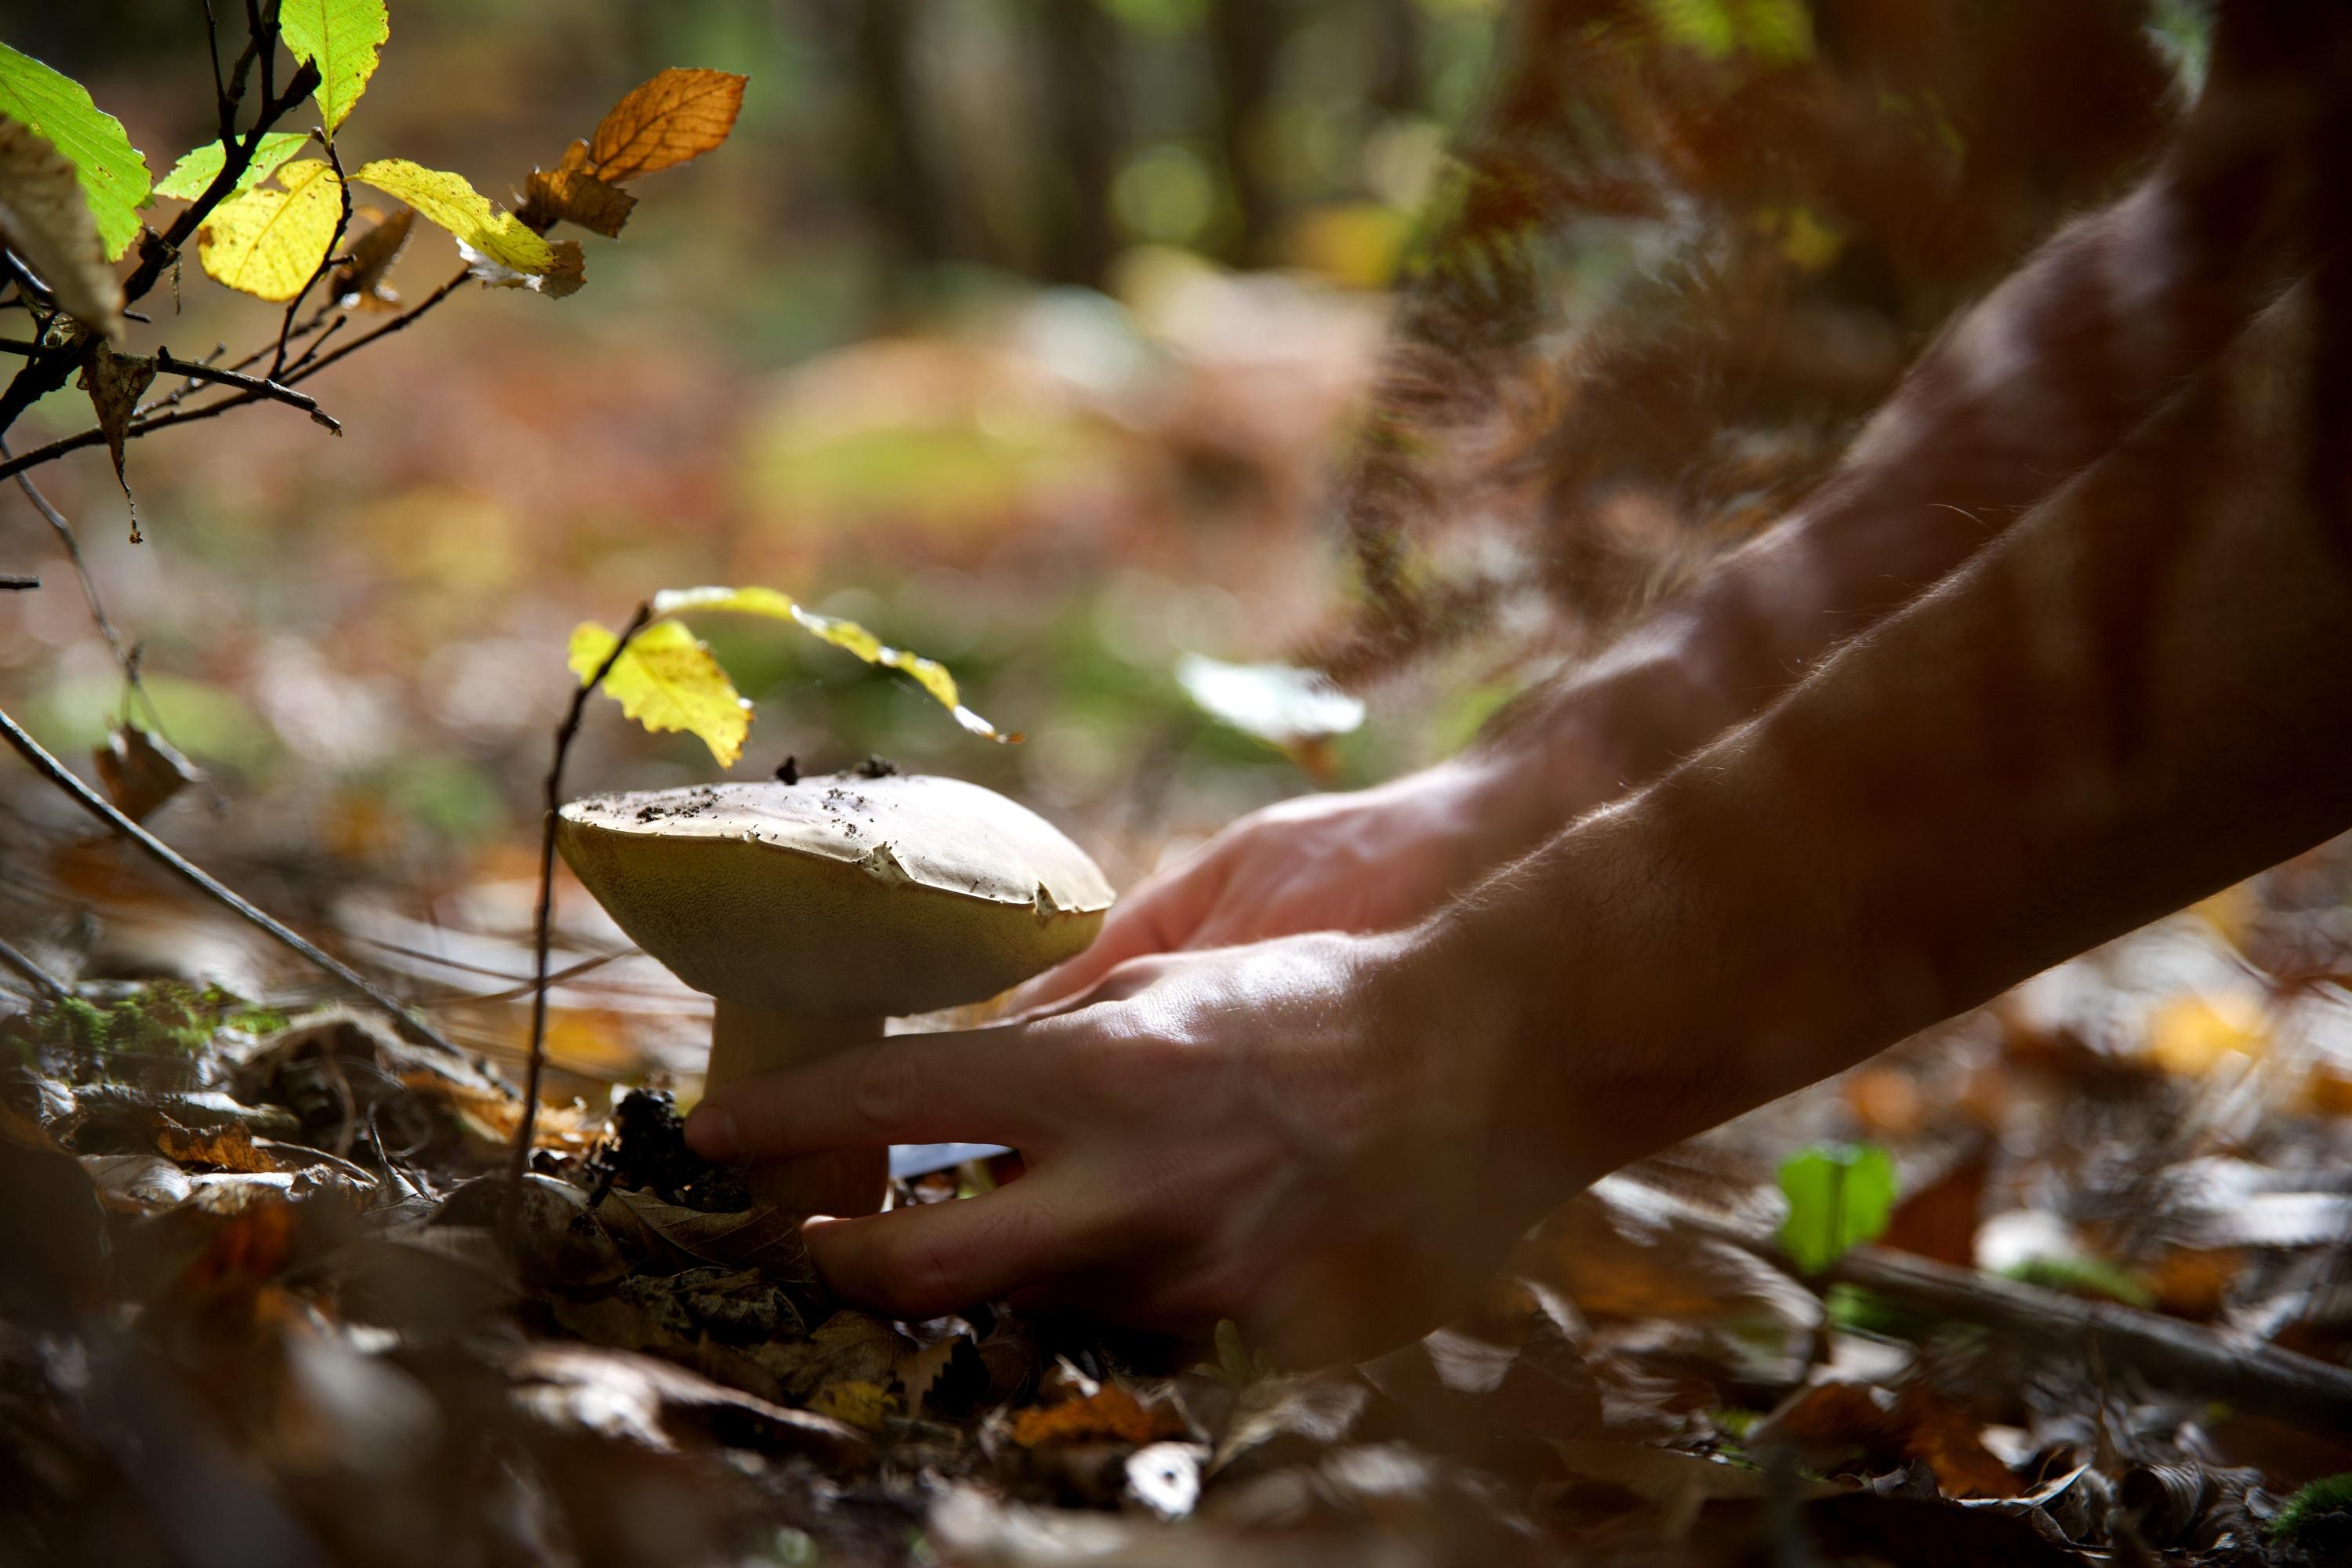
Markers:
840,895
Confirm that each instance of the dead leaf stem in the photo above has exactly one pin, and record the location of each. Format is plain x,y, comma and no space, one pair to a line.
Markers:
565,733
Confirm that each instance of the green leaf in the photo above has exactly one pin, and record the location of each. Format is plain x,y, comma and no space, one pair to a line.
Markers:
340,37
196,170
667,680
113,173
928,673
1839,1198
446,199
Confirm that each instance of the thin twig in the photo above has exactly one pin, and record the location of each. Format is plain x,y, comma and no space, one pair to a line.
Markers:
66,536
565,733
187,871
41,980
93,436
326,258
12,582
259,386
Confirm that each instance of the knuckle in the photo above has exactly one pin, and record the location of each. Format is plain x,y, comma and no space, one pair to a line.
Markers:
882,1088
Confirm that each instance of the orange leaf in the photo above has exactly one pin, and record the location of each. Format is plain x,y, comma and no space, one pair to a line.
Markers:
679,114
1111,1414
572,193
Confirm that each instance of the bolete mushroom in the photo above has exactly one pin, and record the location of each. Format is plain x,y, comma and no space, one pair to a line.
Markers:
811,911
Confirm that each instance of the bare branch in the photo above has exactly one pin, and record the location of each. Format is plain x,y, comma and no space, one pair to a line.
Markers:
41,980
93,436
187,871
258,387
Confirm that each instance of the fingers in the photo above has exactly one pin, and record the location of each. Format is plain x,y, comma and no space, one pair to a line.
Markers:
997,1085
937,1257
1159,917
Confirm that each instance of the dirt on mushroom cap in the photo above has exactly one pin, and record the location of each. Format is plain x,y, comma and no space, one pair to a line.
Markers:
839,894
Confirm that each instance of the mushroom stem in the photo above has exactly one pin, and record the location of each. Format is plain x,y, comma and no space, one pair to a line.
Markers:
745,1040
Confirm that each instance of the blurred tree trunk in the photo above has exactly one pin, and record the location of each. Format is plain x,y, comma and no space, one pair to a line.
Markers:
1396,81
1085,138
897,173
1242,38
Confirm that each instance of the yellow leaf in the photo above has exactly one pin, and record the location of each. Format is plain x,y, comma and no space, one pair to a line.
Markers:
268,242
444,198
677,115
860,1405
2193,1035
928,673
667,680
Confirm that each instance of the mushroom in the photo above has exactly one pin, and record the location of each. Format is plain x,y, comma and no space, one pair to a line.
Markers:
812,911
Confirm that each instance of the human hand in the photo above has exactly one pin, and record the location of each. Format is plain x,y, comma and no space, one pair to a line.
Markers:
1366,860
1325,1138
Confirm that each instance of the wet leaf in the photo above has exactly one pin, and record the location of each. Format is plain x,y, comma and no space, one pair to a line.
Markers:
1838,1199
572,193
946,1379
45,217
645,1400
2195,1035
667,680
679,115
864,1406
765,1239
229,1147
1109,1415
268,241
448,200
58,109
342,38
199,167
360,282
928,673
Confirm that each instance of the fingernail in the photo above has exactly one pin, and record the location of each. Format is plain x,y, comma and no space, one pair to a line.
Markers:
711,1132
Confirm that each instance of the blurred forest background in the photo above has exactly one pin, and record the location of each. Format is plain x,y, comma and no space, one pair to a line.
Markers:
1023,331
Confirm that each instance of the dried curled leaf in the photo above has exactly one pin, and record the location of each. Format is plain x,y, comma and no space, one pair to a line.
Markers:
140,771
679,115
268,242
448,200
572,193
342,38
928,673
359,283
667,680
196,170
45,218
58,109
115,383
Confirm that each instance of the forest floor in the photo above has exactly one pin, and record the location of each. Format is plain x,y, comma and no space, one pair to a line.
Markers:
259,1307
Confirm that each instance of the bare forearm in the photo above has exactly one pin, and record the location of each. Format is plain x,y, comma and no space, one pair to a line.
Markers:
2134,698
2051,371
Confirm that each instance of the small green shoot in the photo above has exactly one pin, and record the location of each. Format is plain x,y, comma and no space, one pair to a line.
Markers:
1839,1198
